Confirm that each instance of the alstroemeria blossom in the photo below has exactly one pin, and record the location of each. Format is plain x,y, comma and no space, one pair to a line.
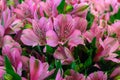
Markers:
64,31
13,50
75,76
115,73
64,54
59,75
97,76
107,49
50,7
36,35
39,70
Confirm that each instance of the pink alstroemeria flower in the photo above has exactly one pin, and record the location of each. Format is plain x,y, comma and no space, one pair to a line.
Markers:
75,76
13,50
39,70
50,7
72,2
2,31
107,49
7,18
65,31
95,31
115,28
80,10
64,54
2,72
115,73
17,25
37,35
2,6
27,9
81,24
97,76
59,75
98,7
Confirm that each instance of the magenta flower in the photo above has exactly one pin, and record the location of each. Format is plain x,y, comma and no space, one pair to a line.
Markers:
39,70
107,49
13,50
115,73
80,10
97,76
64,54
2,31
2,5
95,31
2,72
114,29
7,18
26,9
36,35
65,31
59,75
75,76
50,7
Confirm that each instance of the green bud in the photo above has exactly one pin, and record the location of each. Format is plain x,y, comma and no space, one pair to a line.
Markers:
8,77
69,8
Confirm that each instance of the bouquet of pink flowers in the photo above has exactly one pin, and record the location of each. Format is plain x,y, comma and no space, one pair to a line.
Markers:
59,39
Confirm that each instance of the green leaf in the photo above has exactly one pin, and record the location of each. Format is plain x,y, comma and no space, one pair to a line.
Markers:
118,52
88,62
90,19
8,65
111,9
20,1
115,17
60,7
10,70
58,64
27,26
75,66
49,49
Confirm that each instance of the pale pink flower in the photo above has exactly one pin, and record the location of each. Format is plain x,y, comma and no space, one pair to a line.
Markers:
64,54
99,75
2,31
107,49
39,70
2,71
59,75
37,35
80,10
13,50
27,9
95,31
115,73
72,2
65,31
7,18
81,24
50,7
2,5
75,76
17,25
115,28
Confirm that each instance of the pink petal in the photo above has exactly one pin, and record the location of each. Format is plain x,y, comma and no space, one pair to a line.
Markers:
29,38
75,39
51,38
80,24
